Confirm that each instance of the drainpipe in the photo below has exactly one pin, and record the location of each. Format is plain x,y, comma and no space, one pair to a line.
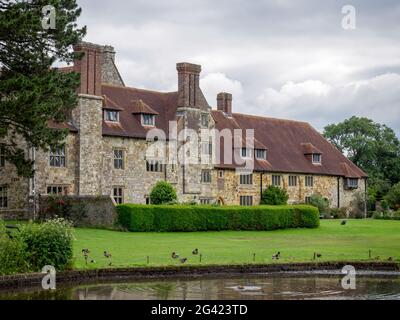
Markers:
261,186
338,192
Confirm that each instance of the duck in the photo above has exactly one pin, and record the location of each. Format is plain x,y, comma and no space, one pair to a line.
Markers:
174,255
183,260
195,251
276,256
92,261
107,254
319,255
343,222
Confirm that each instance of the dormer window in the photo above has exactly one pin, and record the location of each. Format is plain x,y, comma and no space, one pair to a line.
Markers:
316,158
261,154
148,119
246,153
111,115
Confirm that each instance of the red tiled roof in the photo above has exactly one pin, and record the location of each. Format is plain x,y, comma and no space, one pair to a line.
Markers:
285,139
164,104
288,142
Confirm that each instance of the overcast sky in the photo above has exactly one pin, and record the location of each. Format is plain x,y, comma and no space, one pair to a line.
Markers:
280,58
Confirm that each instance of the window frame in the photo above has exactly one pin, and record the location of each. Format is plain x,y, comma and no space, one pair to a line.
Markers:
155,166
319,158
307,181
119,197
246,179
147,116
206,176
292,181
274,177
248,153
4,199
350,185
59,153
204,120
119,162
264,151
2,156
57,189
246,201
109,118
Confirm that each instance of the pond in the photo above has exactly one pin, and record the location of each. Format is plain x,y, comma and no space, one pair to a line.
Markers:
288,285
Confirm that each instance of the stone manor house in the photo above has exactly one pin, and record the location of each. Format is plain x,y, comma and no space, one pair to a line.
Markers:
105,150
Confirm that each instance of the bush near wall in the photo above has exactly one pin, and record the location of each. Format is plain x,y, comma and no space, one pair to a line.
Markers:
211,218
35,246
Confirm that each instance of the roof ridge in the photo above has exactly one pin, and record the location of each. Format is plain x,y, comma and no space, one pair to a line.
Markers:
137,89
269,118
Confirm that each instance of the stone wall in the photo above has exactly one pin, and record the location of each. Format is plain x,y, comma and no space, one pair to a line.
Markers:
98,211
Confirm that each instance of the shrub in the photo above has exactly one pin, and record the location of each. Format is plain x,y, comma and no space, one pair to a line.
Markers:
215,218
12,253
321,203
387,215
163,192
274,195
338,213
48,243
393,197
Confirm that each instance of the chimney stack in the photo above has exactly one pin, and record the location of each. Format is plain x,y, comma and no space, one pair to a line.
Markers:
188,84
224,102
89,67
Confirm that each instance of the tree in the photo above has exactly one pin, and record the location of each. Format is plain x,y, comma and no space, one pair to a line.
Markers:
34,95
372,146
393,197
163,192
274,195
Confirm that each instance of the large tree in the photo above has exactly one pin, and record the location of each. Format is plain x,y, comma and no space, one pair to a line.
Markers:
32,93
372,146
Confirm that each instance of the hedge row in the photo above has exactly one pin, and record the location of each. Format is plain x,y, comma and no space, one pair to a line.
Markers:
212,218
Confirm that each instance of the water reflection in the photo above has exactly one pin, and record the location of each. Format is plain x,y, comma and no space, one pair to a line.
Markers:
260,287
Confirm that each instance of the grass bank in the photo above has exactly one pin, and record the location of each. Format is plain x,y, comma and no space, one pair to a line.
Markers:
333,241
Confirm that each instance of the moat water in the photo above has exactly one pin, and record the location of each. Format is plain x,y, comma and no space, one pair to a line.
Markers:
281,286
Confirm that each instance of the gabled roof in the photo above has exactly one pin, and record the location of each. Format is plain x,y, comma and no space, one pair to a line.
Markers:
164,104
139,107
309,148
110,105
285,140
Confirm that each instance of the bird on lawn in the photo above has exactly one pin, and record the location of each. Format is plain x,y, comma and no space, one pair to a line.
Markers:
183,260
195,251
390,259
174,255
92,261
319,255
343,222
107,254
276,256
85,254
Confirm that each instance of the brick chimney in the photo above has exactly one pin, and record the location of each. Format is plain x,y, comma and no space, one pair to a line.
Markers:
224,102
89,67
189,94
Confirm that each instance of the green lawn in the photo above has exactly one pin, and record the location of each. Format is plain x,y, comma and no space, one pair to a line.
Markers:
332,240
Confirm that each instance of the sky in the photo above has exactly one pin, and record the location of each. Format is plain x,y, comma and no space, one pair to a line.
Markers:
290,59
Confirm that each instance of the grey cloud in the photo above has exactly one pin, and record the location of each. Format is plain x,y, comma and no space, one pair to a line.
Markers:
253,46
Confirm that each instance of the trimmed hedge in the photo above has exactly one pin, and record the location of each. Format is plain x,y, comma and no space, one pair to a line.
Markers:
211,218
